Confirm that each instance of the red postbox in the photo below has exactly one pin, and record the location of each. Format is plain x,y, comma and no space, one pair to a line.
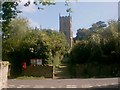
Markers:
24,65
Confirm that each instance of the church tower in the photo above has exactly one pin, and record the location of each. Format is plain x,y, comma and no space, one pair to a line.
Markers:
65,24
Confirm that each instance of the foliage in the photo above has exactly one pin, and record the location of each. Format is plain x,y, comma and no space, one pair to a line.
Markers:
92,70
98,25
40,3
101,46
17,31
20,43
83,34
80,52
24,44
10,11
96,54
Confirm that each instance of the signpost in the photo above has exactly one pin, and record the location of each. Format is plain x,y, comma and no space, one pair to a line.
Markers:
39,61
35,62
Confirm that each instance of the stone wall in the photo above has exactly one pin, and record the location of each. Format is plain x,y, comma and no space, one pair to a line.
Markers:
3,74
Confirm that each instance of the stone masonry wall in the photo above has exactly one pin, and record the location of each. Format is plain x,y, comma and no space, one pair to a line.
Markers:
3,74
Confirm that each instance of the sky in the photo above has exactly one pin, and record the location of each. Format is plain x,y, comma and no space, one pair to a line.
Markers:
84,14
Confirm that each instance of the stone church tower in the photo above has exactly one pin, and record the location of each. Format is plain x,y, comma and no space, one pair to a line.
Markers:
65,24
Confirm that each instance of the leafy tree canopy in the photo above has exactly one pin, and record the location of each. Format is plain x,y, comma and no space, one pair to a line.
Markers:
101,46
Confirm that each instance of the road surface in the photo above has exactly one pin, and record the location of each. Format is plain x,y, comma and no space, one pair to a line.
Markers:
64,83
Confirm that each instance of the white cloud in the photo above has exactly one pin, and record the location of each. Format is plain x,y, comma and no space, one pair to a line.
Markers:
32,23
29,9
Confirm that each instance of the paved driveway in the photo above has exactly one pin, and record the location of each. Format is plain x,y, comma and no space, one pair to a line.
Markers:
64,83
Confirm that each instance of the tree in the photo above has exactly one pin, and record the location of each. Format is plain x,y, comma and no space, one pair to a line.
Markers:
12,50
80,53
58,46
25,43
83,34
102,45
95,46
10,11
111,40
18,29
97,26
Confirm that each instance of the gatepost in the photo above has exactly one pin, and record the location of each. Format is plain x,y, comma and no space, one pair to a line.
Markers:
3,74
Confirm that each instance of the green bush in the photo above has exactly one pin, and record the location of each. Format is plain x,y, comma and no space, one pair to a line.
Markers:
97,70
